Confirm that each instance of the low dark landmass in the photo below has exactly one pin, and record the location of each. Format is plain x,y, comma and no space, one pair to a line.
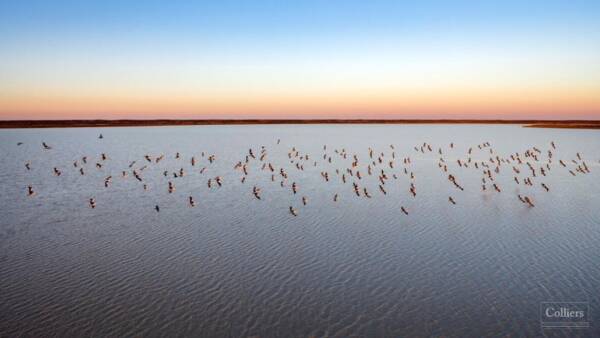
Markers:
577,124
574,125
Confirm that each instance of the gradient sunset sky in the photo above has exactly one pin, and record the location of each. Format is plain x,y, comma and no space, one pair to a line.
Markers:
295,59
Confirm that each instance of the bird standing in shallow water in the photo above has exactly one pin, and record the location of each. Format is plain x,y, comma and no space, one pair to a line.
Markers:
404,211
529,201
256,192
366,193
293,211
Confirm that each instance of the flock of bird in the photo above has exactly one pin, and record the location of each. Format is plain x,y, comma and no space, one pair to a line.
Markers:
529,169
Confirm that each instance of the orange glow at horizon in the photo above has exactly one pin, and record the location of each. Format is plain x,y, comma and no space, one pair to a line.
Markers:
510,103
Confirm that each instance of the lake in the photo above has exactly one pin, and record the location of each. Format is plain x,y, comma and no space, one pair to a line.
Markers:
347,265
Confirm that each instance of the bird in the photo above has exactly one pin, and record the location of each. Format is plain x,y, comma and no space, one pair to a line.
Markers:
293,211
46,146
92,203
366,193
30,191
256,192
529,201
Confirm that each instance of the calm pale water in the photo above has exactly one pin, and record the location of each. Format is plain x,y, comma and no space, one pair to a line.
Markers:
236,266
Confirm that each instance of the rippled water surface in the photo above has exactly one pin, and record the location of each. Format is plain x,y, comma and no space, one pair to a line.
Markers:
237,266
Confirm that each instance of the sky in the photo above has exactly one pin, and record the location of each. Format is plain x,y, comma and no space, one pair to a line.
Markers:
299,59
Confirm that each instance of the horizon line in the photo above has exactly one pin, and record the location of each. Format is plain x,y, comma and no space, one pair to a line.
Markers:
75,123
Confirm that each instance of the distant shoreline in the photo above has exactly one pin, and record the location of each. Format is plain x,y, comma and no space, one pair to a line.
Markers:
20,124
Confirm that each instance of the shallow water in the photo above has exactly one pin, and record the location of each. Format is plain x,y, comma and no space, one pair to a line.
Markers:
237,266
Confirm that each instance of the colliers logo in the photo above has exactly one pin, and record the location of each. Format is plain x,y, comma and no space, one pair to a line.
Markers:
565,314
